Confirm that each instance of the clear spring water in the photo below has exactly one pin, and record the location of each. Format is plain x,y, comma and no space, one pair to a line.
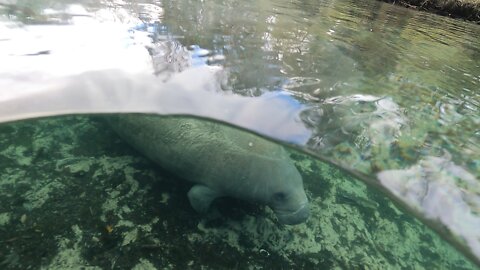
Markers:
387,94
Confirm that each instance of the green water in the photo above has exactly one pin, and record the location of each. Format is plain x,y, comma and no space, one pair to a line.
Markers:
66,180
388,94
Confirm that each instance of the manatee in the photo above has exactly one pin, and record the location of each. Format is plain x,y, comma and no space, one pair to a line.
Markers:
220,160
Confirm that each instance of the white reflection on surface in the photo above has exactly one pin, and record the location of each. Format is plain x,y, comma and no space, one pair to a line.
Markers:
98,64
434,187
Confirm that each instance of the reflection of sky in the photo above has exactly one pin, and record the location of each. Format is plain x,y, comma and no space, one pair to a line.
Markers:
88,42
98,62
84,44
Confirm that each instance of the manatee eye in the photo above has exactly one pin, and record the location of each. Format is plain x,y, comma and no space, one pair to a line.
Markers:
279,196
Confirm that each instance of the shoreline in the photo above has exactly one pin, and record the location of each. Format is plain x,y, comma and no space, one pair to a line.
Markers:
468,10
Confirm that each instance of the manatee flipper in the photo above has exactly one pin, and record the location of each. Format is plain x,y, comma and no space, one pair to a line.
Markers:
201,197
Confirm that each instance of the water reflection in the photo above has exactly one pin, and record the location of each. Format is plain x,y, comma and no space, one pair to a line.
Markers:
373,88
448,192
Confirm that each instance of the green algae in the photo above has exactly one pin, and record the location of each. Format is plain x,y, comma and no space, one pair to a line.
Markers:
18,153
5,218
37,196
70,253
144,264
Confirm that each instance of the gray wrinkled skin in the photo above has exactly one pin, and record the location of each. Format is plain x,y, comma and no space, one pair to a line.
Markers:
222,161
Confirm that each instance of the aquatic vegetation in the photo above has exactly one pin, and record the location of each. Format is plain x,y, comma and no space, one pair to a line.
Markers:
464,9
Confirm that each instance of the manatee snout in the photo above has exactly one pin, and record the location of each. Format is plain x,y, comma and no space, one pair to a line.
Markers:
288,199
291,205
296,217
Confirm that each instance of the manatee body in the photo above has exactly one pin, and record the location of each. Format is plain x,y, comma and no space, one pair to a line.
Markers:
222,161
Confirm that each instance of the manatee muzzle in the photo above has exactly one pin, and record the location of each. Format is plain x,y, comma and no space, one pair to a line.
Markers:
296,217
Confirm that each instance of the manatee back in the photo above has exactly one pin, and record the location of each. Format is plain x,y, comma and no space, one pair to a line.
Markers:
176,144
233,162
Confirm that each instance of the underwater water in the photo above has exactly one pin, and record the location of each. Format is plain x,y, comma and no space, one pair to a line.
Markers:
384,100
73,194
